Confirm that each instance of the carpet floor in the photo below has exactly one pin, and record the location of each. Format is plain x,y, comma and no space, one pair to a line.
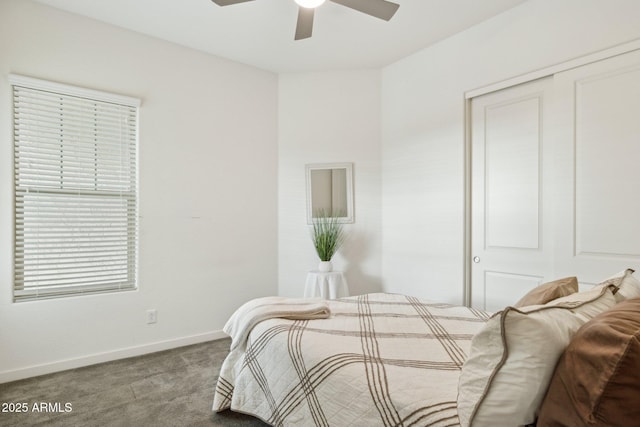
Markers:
168,388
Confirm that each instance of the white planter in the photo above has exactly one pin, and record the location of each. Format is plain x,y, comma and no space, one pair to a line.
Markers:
325,266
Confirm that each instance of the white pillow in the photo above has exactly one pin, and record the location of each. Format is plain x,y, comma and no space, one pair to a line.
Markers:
512,359
628,286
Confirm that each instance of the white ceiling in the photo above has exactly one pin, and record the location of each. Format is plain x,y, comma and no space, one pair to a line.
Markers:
260,32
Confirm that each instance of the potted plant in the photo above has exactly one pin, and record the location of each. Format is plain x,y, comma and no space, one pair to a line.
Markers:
327,236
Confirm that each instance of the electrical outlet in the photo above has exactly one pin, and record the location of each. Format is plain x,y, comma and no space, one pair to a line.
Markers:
152,316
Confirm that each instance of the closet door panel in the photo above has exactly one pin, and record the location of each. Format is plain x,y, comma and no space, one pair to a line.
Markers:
599,175
508,208
607,126
512,174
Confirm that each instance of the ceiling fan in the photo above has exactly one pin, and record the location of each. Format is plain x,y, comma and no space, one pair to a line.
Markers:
379,8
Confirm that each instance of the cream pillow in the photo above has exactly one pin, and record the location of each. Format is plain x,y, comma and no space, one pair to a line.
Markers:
628,286
586,305
512,359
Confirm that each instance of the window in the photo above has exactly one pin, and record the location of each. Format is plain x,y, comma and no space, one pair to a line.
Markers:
75,164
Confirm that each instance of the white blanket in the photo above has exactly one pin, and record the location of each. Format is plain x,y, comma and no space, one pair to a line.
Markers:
255,311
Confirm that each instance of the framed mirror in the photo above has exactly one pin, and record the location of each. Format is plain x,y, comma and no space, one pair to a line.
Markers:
330,189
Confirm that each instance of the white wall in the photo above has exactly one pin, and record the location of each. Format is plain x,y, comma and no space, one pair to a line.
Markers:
329,117
423,126
208,185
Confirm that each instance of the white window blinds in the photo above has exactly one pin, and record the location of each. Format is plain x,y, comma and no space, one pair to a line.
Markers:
75,190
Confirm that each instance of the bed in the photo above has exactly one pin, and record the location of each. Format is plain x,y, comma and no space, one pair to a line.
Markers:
396,360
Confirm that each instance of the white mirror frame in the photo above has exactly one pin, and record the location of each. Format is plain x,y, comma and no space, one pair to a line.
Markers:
348,167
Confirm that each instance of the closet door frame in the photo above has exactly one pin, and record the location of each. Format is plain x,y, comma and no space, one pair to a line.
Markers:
469,95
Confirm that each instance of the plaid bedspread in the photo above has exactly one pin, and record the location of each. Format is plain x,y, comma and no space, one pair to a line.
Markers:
379,360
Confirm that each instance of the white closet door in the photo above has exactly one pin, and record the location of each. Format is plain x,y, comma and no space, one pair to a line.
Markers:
510,250
598,168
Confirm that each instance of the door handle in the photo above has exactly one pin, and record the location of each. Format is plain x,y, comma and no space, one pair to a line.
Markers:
476,259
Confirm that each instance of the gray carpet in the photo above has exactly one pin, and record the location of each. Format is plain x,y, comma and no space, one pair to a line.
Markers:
169,388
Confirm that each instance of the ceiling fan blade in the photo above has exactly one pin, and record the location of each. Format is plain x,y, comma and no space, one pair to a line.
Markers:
379,8
305,23
228,2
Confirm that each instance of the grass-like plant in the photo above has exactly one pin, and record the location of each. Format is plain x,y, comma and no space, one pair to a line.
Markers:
327,234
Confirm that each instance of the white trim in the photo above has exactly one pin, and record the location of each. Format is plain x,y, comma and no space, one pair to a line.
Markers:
548,71
466,245
92,359
30,82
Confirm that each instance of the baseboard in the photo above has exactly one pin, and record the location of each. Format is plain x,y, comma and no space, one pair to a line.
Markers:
92,359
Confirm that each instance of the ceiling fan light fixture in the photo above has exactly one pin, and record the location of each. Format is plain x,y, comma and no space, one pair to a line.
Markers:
309,4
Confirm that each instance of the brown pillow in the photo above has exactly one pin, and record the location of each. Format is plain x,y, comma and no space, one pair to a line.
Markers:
549,291
597,379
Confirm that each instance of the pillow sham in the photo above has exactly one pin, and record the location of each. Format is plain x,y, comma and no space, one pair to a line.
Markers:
597,379
512,359
549,291
627,285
